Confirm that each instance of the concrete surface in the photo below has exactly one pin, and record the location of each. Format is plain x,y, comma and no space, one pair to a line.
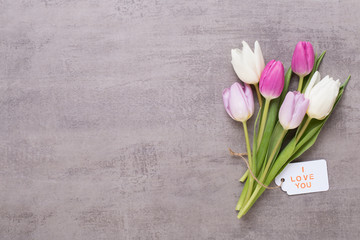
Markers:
113,127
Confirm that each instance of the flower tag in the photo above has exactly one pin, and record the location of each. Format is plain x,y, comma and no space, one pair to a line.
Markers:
304,177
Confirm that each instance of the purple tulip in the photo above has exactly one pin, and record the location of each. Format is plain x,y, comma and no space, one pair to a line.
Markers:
272,80
239,102
293,110
303,59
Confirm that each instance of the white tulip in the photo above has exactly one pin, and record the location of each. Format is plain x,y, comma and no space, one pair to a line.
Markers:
322,95
247,64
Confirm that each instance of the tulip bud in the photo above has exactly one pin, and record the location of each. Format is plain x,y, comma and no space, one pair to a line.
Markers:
293,110
322,95
303,59
247,64
239,102
272,80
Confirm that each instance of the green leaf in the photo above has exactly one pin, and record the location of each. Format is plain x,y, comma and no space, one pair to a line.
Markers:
271,121
254,146
300,149
282,159
311,129
255,132
277,133
269,126
345,83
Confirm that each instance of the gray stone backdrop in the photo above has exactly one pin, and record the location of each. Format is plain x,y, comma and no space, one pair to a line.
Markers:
112,123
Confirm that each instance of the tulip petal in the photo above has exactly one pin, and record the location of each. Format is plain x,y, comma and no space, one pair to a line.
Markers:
249,59
322,98
314,80
237,103
301,106
248,55
298,61
241,67
226,97
249,99
333,91
287,110
303,58
310,56
293,110
260,63
272,80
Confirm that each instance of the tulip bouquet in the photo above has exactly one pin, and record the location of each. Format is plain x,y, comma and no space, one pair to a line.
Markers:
299,115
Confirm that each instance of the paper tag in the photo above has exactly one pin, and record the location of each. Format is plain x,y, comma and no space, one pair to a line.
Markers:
304,177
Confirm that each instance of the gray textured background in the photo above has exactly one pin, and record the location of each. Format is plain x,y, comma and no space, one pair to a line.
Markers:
113,127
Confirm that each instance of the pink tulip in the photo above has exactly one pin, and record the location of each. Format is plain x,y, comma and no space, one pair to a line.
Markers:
303,59
272,80
293,110
239,101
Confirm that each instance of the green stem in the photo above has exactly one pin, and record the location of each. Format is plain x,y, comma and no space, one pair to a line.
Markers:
248,204
248,147
258,93
243,178
257,193
242,196
303,128
251,164
272,155
263,175
301,80
263,121
250,189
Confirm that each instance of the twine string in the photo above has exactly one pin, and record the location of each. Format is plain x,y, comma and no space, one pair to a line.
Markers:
241,155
